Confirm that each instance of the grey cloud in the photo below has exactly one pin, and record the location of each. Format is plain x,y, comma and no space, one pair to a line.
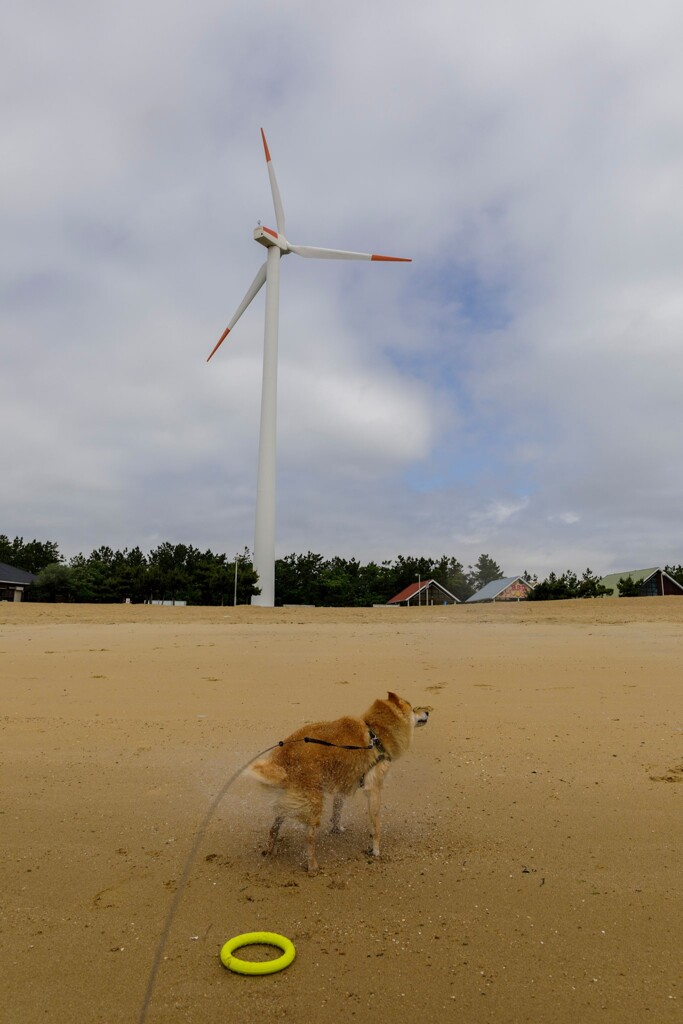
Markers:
515,389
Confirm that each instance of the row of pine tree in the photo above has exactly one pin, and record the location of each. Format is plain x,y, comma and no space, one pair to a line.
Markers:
182,572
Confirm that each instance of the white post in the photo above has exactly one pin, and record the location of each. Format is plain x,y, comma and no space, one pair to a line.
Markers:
264,538
234,597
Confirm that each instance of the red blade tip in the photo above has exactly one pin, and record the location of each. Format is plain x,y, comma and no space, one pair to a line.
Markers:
265,146
220,341
392,259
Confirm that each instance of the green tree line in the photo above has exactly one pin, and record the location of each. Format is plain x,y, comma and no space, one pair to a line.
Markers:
184,573
171,572
342,582
568,585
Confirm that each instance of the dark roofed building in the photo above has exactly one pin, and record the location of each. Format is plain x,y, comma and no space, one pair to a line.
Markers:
13,582
424,592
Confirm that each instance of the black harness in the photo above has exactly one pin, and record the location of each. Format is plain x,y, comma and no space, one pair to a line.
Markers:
374,744
382,755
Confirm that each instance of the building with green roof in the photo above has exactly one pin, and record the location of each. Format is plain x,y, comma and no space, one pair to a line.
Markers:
650,582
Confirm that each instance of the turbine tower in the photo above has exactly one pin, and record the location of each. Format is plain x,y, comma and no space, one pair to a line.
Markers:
276,245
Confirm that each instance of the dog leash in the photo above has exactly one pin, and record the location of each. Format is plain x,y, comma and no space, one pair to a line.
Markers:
199,839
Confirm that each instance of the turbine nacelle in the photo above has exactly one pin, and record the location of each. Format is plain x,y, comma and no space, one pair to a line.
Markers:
268,237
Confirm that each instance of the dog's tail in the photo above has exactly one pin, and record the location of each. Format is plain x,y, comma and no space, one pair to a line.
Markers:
268,773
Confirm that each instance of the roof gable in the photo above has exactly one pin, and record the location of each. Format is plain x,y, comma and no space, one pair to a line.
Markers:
413,589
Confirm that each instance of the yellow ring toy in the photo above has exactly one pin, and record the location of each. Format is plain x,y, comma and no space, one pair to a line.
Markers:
233,963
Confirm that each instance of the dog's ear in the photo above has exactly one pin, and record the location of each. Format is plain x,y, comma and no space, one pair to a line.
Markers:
394,698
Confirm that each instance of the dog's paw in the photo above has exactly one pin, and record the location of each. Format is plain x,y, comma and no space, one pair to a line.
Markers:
336,830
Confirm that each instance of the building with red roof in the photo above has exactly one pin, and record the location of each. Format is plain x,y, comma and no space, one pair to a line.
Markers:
424,592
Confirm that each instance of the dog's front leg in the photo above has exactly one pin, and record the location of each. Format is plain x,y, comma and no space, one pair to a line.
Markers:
373,793
337,804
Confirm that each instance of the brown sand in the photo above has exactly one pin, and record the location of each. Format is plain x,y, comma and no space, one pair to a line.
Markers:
532,858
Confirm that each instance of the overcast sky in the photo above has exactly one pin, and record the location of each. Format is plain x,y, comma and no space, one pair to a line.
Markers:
515,390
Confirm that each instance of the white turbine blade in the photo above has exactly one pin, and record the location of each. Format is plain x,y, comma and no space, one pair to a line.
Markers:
254,289
277,201
312,252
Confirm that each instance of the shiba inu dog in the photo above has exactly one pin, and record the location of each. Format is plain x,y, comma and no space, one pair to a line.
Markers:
338,758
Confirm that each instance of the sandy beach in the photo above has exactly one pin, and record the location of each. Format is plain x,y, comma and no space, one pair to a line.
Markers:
532,865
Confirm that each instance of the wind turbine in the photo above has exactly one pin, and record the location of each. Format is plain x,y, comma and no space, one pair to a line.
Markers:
277,245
